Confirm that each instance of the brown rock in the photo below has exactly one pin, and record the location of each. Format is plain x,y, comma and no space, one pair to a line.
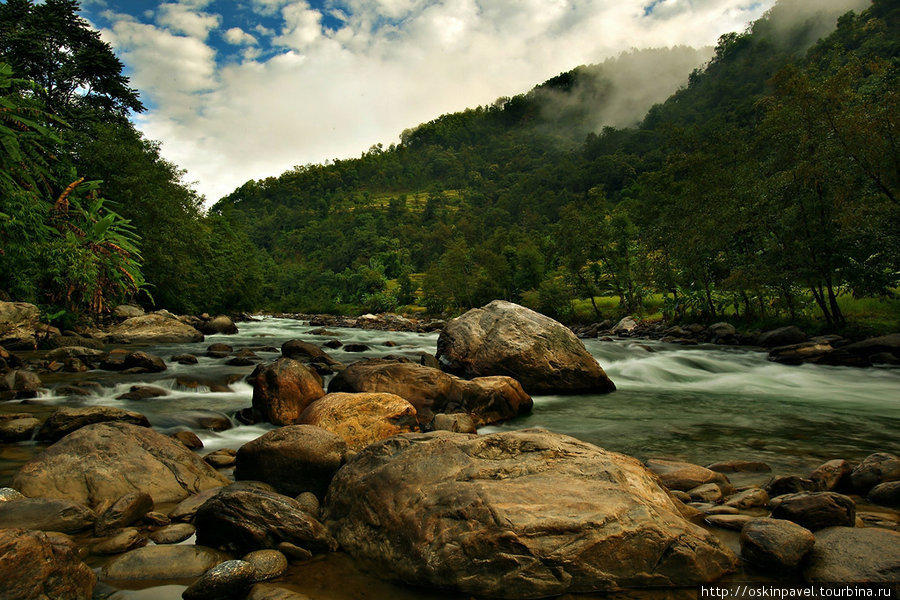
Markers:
268,564
360,419
221,324
876,468
18,430
816,510
162,562
679,475
226,580
188,438
886,494
455,422
503,338
735,522
268,591
19,324
283,389
36,566
122,541
46,514
172,534
222,458
830,475
128,509
740,466
64,420
850,555
155,328
748,498
774,543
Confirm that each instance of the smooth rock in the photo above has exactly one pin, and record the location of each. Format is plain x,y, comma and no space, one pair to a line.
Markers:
128,509
886,494
455,422
9,495
735,522
221,459
37,566
363,418
185,359
154,328
294,552
708,492
162,562
46,514
267,591
831,475
749,498
684,476
19,324
774,543
221,324
188,438
783,336
294,459
268,564
105,461
172,534
148,363
503,338
851,555
739,466
65,419
816,510
226,580
219,350
309,502
876,468
122,541
283,389
18,430
305,352
519,514
789,484
127,311
143,392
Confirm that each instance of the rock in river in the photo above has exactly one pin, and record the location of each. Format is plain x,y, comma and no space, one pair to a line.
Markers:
105,461
155,328
282,390
37,566
851,555
522,514
361,419
65,419
503,338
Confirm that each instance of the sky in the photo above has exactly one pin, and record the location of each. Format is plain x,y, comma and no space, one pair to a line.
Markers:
247,89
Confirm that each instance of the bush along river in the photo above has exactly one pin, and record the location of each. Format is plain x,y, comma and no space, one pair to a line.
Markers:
291,459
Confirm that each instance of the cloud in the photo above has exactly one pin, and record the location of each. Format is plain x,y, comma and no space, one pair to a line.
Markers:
377,68
238,37
185,18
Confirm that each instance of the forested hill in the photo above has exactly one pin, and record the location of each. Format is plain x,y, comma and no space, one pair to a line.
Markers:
768,184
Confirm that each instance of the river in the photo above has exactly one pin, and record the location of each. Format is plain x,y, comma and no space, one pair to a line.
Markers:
698,403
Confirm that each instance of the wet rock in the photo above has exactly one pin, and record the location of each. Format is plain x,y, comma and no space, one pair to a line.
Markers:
122,541
789,484
723,510
886,344
503,338
115,360
294,552
886,494
294,459
162,562
188,438
18,430
128,509
708,492
229,579
356,348
243,358
172,534
243,520
333,344
149,363
221,459
309,502
185,359
739,466
775,543
831,475
679,475
85,354
363,418
624,326
796,354
143,392
430,391
19,324
106,461
721,331
156,519
221,324
21,383
816,510
852,555
268,564
749,498
219,350
783,336
187,508
46,514
65,420
283,389
154,328
304,352
37,566
522,514
9,495
127,311
455,422
267,591
876,468
203,419
735,522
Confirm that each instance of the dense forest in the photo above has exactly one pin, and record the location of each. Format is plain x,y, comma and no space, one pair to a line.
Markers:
766,187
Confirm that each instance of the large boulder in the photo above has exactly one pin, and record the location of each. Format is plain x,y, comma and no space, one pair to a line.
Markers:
282,390
361,419
162,562
19,325
876,468
155,328
816,510
431,391
854,555
775,543
37,566
219,324
243,520
46,514
294,459
105,461
503,338
66,419
522,514
783,336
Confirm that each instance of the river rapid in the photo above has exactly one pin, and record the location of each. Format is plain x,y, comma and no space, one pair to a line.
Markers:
697,403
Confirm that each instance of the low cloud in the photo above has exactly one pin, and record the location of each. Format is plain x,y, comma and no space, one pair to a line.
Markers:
331,91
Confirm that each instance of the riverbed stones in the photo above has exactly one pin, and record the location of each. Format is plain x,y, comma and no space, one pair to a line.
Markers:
363,418
105,461
172,534
128,509
244,520
19,325
789,484
162,562
282,390
46,514
783,336
455,422
733,522
294,459
739,466
188,438
749,498
816,510
854,555
144,362
66,419
503,338
522,514
268,591
9,494
886,494
36,566
708,492
431,391
226,580
221,324
18,429
154,328
831,474
876,468
685,476
219,350
775,543
268,564
120,541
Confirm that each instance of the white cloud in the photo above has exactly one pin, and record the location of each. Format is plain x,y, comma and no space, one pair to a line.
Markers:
391,65
185,18
238,37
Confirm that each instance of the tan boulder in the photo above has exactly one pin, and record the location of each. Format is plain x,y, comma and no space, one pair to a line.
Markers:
37,566
154,328
282,390
363,418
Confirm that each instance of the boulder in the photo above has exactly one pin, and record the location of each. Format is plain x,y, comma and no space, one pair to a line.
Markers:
430,390
105,461
126,510
172,534
816,510
143,392
796,354
294,459
36,566
221,458
64,420
46,514
244,520
119,541
775,543
783,336
363,418
886,494
305,352
188,438
84,354
520,514
748,498
185,359
147,363
226,580
19,325
127,311
625,325
220,324
733,522
282,390
684,476
21,383
832,474
18,430
162,562
503,338
219,350
876,468
789,484
455,422
854,555
885,344
268,564
154,328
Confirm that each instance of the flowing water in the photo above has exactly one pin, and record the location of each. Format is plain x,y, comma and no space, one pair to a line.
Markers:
698,403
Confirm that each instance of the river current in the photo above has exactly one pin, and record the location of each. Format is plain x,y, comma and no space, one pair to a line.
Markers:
698,403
